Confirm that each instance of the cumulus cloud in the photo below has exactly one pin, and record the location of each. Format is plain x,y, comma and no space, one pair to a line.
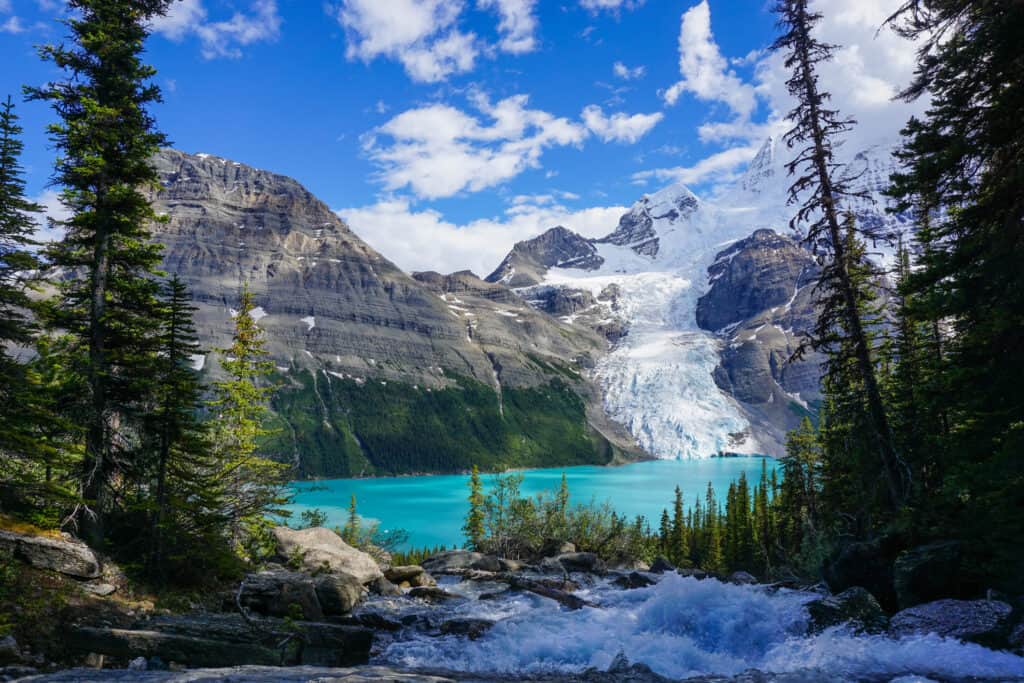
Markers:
12,25
619,127
626,73
438,150
517,24
425,240
220,38
869,68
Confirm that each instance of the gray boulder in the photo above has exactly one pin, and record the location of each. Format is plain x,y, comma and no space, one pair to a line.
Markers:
66,557
742,579
433,594
692,573
451,561
338,593
279,593
487,563
854,606
662,565
10,653
384,587
555,546
582,562
986,622
320,548
634,580
469,627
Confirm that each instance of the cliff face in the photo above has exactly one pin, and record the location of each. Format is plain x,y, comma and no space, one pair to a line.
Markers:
337,312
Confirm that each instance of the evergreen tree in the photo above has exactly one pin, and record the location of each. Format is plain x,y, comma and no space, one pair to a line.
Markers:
797,502
678,544
474,526
106,138
664,534
820,188
563,497
254,487
714,558
350,532
964,169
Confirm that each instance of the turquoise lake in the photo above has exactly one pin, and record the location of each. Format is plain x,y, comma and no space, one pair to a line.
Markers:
432,508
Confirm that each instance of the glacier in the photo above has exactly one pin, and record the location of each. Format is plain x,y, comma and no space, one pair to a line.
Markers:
657,380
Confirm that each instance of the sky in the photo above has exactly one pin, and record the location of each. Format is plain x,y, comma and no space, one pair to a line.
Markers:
443,131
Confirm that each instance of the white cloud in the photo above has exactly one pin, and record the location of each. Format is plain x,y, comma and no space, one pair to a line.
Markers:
517,25
626,73
421,34
5,7
439,151
12,25
610,5
424,240
619,127
717,168
220,38
53,209
705,71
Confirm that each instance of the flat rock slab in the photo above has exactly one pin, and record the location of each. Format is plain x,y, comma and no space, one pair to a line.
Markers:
67,557
981,621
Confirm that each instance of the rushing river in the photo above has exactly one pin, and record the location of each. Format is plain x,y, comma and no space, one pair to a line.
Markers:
432,508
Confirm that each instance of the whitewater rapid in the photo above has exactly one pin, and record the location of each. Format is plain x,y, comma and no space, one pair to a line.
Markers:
681,627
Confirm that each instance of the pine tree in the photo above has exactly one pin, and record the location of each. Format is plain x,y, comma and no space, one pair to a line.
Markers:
474,526
664,534
254,486
678,545
20,417
106,139
350,532
820,188
714,558
186,498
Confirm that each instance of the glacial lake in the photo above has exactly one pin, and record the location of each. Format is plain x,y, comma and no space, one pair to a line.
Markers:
432,508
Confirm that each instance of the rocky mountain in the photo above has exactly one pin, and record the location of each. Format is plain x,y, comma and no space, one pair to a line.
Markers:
529,260
378,371
705,302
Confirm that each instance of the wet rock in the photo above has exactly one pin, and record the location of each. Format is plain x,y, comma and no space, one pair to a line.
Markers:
433,594
634,580
554,546
320,548
742,579
1016,639
66,557
582,562
10,653
692,573
279,593
384,587
403,574
854,606
662,565
471,628
928,572
451,561
986,622
487,563
338,593
138,664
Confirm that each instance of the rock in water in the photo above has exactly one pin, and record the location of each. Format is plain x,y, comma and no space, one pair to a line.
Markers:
986,622
662,565
742,579
321,548
451,560
67,557
338,593
854,606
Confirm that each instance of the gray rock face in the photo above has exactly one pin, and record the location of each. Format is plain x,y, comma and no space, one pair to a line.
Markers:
451,560
67,557
331,305
854,606
986,622
761,303
280,594
636,228
321,548
529,260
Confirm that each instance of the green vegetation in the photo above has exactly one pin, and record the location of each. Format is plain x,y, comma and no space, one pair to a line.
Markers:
378,427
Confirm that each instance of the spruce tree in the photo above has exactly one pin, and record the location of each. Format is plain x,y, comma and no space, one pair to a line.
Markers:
106,137
350,533
253,486
474,526
678,546
820,188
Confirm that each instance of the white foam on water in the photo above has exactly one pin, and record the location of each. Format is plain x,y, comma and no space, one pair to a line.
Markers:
681,627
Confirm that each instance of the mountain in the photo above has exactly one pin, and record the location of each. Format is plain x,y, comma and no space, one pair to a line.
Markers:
705,302
378,371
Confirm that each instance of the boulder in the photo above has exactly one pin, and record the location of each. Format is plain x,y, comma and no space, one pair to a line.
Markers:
662,565
986,622
512,565
469,627
928,572
451,561
1016,639
279,593
403,573
338,593
854,606
554,546
384,587
582,562
67,557
321,548
634,580
99,589
10,653
220,640
742,579
433,594
487,563
692,573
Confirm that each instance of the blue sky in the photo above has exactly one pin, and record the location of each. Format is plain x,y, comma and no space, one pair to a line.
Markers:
444,130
